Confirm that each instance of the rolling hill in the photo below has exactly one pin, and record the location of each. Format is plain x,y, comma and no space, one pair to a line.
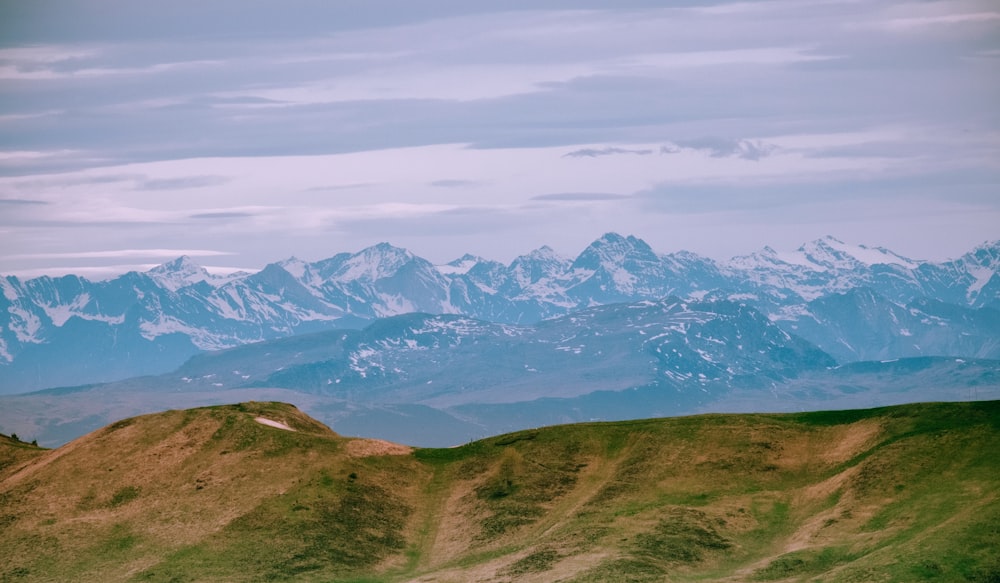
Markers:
261,492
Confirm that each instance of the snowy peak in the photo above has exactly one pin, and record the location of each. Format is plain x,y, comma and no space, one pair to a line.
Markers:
373,263
544,254
301,270
460,266
985,255
981,269
827,254
180,272
832,253
542,263
613,250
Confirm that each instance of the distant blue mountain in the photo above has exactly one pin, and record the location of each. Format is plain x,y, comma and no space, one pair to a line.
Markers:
850,300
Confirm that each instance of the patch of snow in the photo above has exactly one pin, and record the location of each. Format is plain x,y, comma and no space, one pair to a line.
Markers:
982,276
373,263
871,256
792,313
273,423
905,332
8,290
179,273
393,305
799,259
296,267
24,325
459,266
624,280
199,337
60,313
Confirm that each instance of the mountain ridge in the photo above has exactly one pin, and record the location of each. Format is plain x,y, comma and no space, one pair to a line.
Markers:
440,379
177,309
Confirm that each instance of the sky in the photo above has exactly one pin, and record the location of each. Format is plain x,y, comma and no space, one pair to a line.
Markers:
242,132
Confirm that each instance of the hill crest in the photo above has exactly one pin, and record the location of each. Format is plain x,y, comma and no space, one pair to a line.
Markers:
214,494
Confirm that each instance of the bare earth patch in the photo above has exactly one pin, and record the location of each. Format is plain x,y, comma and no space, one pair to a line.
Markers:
370,447
273,423
854,439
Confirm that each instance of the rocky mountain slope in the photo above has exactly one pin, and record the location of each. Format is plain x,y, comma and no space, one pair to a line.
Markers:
68,330
259,491
444,379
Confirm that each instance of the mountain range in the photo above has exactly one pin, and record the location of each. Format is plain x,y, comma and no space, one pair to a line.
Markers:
853,302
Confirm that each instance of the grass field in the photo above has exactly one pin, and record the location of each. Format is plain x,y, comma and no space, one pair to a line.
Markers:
906,493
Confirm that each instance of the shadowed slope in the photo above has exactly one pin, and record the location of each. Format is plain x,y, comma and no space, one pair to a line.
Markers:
899,493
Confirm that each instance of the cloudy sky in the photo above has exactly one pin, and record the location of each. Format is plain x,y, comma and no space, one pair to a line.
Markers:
243,132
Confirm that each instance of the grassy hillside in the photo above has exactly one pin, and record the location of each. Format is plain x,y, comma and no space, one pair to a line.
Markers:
14,454
909,493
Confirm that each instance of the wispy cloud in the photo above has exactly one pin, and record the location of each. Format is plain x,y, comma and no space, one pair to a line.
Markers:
455,183
609,151
724,148
182,183
579,196
174,125
123,254
222,215
903,24
336,187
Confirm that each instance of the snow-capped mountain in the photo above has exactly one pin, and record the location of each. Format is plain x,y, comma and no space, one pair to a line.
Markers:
68,330
829,266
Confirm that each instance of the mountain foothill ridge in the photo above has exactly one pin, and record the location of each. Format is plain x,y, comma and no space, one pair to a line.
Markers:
149,323
261,491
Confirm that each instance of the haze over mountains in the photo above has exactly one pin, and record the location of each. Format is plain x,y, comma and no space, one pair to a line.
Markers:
854,302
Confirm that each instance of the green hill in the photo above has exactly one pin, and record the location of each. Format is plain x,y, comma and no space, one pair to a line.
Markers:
907,493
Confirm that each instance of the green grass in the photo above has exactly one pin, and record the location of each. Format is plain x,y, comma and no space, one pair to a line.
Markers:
209,494
803,563
123,495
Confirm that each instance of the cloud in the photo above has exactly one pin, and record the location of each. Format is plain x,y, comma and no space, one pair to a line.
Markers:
579,196
941,19
182,183
465,110
724,148
123,253
221,215
455,183
22,202
609,151
336,187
